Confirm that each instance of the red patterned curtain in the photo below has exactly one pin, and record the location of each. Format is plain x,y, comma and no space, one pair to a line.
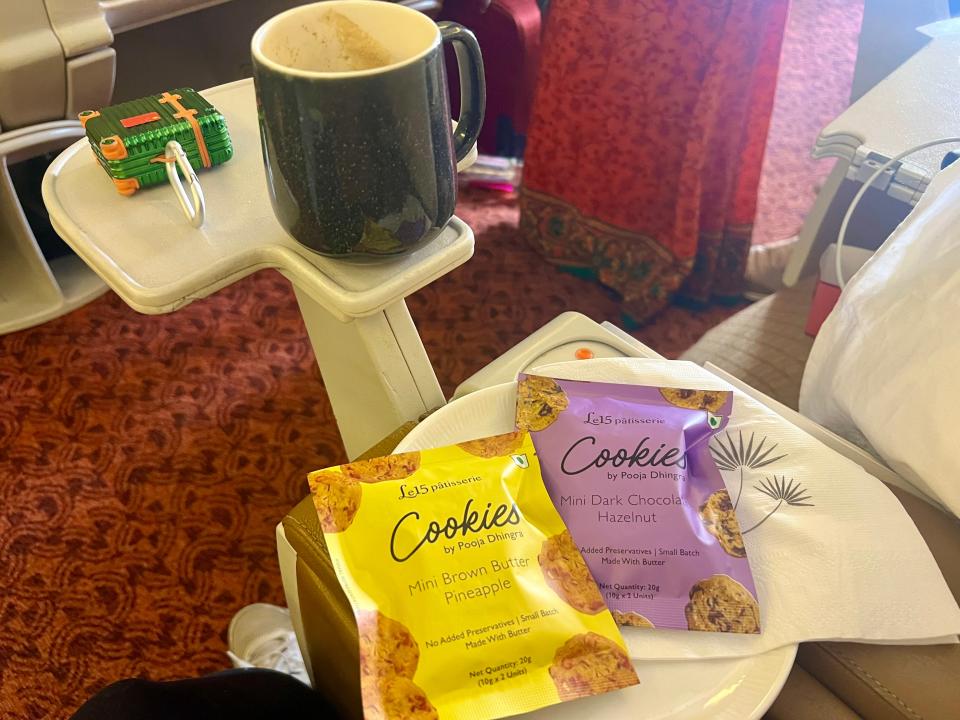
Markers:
646,142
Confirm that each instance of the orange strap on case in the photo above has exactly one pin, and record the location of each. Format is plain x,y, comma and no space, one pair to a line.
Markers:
142,119
188,115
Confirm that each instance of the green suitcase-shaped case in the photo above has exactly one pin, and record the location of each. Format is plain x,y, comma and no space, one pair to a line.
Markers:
129,139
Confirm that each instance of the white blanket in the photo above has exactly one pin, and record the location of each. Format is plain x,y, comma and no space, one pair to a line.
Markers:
883,371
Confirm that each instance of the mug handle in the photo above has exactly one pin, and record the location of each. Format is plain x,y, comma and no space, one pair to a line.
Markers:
473,91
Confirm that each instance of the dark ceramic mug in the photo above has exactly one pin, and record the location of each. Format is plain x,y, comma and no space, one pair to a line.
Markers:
355,123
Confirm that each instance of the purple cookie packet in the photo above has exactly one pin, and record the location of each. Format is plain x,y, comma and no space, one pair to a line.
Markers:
630,470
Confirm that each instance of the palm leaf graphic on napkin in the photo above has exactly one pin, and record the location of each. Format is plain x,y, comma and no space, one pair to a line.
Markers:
737,456
783,491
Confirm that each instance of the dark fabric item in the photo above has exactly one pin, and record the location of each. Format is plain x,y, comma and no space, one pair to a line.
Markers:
27,176
646,143
251,694
146,460
509,33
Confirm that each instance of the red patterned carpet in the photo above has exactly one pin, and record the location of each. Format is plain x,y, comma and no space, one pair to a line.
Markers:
144,461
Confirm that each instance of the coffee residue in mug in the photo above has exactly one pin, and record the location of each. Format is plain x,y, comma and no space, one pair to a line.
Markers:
342,46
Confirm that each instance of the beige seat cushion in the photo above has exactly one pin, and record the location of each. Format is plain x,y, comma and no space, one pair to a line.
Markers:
888,682
764,345
804,698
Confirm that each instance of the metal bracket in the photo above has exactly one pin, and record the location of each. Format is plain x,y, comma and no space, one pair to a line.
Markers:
865,163
902,181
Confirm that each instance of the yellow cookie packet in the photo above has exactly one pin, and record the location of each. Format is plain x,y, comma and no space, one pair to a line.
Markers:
471,599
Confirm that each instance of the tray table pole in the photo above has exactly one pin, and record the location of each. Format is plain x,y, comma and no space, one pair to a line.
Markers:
375,369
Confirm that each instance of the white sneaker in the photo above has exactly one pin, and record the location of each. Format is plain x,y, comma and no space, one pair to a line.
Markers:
262,636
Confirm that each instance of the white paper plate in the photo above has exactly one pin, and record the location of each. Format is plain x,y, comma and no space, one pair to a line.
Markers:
734,689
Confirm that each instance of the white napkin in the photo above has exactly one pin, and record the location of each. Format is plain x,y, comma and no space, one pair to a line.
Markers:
844,561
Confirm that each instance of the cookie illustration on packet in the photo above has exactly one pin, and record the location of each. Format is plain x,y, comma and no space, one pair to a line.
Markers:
588,664
496,446
567,574
539,402
386,646
389,467
720,520
337,492
389,655
631,619
721,604
336,498
395,698
711,400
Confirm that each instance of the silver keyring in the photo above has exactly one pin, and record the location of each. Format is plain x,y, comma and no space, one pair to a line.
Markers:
192,205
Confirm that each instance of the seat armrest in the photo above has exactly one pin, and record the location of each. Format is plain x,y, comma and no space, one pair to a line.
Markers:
803,697
326,628
888,682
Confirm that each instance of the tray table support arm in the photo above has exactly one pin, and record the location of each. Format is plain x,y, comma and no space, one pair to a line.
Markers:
375,369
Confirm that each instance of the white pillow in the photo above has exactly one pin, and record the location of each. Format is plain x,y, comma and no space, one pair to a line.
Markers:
885,367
